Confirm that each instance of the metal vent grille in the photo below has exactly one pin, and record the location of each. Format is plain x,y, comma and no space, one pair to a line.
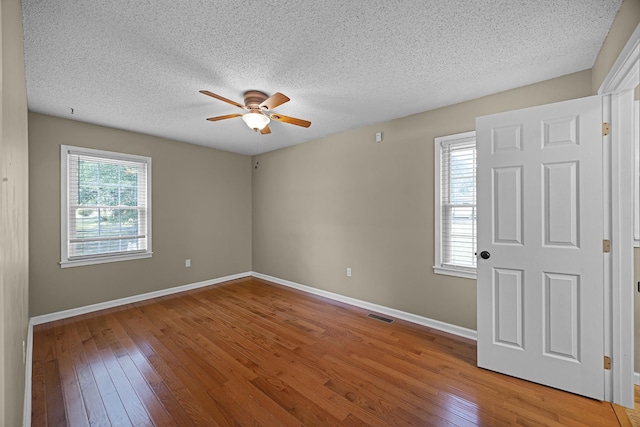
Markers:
380,318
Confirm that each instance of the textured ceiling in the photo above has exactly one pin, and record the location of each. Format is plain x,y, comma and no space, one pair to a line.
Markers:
138,65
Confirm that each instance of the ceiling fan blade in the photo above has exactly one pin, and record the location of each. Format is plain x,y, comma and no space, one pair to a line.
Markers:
265,130
228,116
290,120
223,99
274,101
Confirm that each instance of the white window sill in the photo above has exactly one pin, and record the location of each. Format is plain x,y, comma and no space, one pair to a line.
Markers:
455,272
104,260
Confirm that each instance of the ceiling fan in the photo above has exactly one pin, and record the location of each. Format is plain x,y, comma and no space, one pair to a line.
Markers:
258,105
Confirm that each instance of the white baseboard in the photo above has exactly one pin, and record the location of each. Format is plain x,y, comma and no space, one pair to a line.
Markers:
414,318
28,372
37,320
636,378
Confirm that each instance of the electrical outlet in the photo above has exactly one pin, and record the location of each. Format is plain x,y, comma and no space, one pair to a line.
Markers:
187,263
348,271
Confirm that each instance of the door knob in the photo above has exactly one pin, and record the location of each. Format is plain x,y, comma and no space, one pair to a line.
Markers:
485,255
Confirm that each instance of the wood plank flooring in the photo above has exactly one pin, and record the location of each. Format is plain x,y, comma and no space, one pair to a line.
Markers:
249,352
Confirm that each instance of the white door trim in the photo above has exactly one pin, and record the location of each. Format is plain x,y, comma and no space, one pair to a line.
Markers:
617,89
624,72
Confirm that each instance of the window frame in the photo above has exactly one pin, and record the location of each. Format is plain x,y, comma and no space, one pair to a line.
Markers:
636,166
439,267
65,262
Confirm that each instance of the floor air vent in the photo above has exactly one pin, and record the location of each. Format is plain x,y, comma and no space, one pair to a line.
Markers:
380,318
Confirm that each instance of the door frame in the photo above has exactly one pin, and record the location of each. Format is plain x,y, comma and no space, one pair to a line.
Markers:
618,176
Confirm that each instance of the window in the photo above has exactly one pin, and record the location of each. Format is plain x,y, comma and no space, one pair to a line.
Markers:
106,206
455,205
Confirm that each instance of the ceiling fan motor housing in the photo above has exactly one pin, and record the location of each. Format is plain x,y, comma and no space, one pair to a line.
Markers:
254,98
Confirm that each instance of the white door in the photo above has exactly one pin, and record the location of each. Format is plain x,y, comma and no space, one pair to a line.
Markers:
540,223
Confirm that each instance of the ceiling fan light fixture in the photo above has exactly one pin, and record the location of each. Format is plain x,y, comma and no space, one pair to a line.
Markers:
256,120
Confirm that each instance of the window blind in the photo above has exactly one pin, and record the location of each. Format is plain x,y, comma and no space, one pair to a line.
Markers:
458,203
107,205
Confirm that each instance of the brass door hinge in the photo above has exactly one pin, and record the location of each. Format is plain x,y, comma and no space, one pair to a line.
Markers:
607,363
606,129
606,246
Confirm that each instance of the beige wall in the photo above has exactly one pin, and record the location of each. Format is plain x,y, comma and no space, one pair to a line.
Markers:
14,214
623,26
346,201
201,211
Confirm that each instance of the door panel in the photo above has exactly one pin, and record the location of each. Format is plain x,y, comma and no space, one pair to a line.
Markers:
561,209
509,307
540,215
508,223
562,315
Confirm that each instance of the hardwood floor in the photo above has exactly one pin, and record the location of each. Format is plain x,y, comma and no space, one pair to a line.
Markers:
249,352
